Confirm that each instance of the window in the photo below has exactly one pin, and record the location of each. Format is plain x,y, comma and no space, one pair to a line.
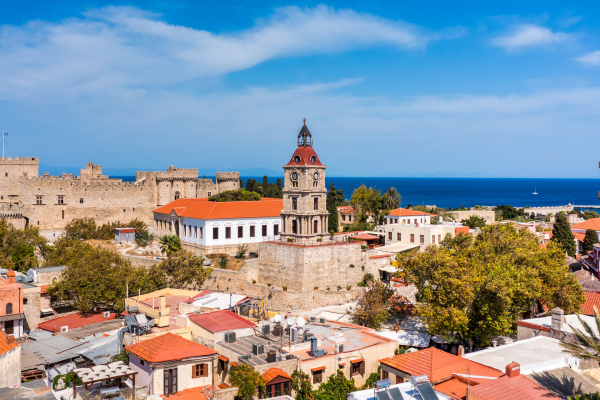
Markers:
61,199
177,195
6,174
252,231
399,236
294,203
275,230
422,239
24,302
195,232
318,376
343,217
215,233
412,237
209,194
227,232
38,199
240,231
389,235
439,238
385,375
142,362
264,230
81,200
358,368
199,370
63,214
9,327
415,221
316,203
350,218
276,389
432,238
315,226
9,309
294,226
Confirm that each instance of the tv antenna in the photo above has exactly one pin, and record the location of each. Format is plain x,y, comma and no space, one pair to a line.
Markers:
301,322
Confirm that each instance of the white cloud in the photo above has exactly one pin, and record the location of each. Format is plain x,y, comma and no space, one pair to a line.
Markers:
592,58
127,47
524,36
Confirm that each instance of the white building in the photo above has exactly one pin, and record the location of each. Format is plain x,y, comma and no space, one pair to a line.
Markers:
402,237
219,227
406,216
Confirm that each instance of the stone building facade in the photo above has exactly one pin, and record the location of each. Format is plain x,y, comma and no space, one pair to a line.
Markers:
51,202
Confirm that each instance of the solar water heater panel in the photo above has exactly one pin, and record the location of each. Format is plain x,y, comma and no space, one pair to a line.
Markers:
426,391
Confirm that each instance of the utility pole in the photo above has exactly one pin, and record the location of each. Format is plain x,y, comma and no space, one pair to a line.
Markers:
4,134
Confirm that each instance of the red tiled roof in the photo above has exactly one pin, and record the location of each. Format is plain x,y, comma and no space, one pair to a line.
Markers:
273,373
305,154
77,320
437,365
463,229
234,364
317,369
364,236
357,360
519,387
196,393
591,299
204,209
579,236
223,358
380,256
7,342
220,321
168,347
455,387
223,385
405,212
593,223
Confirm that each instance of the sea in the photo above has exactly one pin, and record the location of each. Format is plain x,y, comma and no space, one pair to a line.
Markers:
469,192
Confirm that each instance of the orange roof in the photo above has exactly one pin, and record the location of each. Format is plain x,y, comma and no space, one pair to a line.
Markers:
437,365
455,387
364,236
317,369
223,358
168,347
591,299
357,360
204,209
463,229
7,343
273,373
305,153
405,212
518,387
77,320
379,256
196,393
593,223
579,236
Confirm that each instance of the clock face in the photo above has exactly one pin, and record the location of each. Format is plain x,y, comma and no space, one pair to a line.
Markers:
316,176
294,176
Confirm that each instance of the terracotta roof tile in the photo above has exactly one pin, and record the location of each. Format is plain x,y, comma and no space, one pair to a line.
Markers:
168,347
579,236
591,299
7,342
305,154
519,387
593,223
204,209
405,212
196,393
220,321
437,365
273,373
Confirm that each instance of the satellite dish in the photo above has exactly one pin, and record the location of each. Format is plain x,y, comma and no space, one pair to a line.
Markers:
277,318
301,322
290,321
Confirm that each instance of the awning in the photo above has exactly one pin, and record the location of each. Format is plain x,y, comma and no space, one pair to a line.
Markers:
342,364
364,236
389,268
12,317
358,360
223,358
234,364
317,369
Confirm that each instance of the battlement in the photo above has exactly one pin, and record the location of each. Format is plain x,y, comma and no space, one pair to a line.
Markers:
228,176
19,160
173,172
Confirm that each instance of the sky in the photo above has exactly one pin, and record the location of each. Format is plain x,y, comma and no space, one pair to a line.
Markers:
388,88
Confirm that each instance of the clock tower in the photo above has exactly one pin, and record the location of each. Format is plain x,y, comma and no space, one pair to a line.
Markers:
304,216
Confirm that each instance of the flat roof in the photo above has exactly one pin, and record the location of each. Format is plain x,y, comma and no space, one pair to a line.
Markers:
222,301
219,321
243,346
398,247
569,320
406,390
537,354
408,338
57,268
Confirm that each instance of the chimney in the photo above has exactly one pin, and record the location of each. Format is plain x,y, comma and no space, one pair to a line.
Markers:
10,276
557,319
162,302
461,350
513,370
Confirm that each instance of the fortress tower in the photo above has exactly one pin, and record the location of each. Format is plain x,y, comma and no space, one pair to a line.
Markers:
304,215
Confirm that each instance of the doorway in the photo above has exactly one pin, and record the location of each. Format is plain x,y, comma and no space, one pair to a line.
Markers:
170,381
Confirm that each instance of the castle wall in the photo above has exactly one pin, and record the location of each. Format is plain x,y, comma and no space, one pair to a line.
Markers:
11,170
228,181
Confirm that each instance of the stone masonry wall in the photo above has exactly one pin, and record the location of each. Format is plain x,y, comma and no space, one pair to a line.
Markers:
32,308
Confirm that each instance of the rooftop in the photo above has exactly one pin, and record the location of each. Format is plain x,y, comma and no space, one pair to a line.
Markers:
273,373
76,320
593,223
243,346
197,393
536,354
57,268
7,342
35,390
405,212
591,299
565,382
406,390
222,301
204,209
519,387
168,347
570,319
220,321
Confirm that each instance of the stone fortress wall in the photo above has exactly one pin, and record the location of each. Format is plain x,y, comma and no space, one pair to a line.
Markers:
51,202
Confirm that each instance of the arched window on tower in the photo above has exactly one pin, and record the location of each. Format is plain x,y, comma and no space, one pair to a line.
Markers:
294,226
177,195
316,226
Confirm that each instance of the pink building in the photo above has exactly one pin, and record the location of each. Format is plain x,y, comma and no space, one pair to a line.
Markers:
11,305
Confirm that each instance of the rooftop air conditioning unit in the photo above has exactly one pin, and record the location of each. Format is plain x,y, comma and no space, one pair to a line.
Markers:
278,330
339,348
272,356
258,349
64,329
321,320
106,314
266,329
312,319
229,337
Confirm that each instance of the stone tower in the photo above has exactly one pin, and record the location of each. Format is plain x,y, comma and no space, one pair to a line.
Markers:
304,215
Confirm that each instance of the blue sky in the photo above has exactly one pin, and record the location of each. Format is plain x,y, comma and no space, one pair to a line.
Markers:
483,89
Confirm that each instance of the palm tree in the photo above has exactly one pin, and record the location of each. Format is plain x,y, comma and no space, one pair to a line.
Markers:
587,346
392,198
170,244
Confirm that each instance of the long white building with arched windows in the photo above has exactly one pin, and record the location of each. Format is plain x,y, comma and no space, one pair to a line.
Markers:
219,227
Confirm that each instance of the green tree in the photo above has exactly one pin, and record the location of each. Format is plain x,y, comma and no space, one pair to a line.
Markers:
247,380
372,305
509,212
279,188
170,244
18,246
241,183
265,186
94,277
591,237
392,198
479,288
242,249
182,270
589,215
474,221
223,261
81,228
532,215
337,387
562,234
373,377
368,203
302,386
332,205
122,356
235,195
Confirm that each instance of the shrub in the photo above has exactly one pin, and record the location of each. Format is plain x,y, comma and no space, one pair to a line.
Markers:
351,265
242,249
144,239
285,288
235,195
223,261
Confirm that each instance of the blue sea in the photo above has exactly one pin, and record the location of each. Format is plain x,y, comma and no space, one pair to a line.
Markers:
456,192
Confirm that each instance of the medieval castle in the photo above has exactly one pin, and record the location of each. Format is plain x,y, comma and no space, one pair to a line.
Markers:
51,202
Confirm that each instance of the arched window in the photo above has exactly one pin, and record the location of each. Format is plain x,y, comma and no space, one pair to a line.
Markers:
316,223
294,226
9,308
177,195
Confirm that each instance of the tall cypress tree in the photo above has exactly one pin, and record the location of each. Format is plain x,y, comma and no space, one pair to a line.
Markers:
241,183
332,208
562,234
591,238
279,188
265,186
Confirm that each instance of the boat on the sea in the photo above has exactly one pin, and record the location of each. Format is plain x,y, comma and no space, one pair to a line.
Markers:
535,190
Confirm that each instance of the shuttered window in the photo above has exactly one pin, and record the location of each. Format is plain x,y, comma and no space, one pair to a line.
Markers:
199,370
